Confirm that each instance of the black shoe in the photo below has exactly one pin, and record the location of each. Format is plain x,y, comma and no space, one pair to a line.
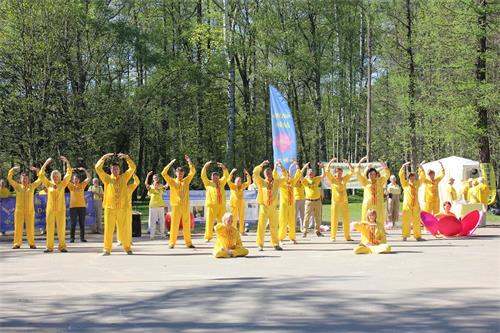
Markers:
171,246
191,246
15,247
63,250
71,240
48,251
278,248
84,241
32,246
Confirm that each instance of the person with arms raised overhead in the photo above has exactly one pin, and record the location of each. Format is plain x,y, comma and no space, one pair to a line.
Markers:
237,198
115,199
215,197
24,213
179,201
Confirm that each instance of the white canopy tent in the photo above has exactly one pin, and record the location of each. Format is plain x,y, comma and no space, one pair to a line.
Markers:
455,167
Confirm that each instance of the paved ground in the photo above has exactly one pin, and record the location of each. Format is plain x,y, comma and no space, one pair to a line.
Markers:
447,285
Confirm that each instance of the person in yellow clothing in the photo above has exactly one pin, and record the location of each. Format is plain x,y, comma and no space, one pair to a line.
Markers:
179,201
411,206
56,205
370,243
451,193
116,199
215,197
299,195
24,213
287,203
479,193
228,243
431,194
373,194
340,205
267,198
466,186
156,205
237,198
312,188
4,189
77,205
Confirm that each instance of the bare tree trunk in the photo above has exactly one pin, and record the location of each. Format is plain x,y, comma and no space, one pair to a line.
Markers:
484,144
369,89
411,86
231,86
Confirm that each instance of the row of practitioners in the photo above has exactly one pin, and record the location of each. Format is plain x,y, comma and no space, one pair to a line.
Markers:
117,200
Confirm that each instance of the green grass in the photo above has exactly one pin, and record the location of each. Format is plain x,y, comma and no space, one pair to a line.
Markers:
354,212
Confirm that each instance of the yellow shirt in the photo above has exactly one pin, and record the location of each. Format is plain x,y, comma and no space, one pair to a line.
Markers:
215,194
368,233
287,188
56,200
77,194
179,189
24,194
479,194
312,187
339,190
237,192
115,188
298,191
96,190
451,193
156,196
227,237
267,194
432,187
373,192
4,192
393,189
410,190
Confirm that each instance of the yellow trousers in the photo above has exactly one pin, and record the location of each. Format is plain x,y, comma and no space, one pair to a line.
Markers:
287,220
372,249
238,212
238,252
411,217
180,213
431,206
22,218
213,213
313,209
267,213
337,209
379,208
127,232
56,219
115,218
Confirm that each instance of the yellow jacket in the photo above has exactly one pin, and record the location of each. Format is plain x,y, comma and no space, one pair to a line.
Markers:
77,194
339,191
432,186
130,189
410,190
115,188
287,188
237,193
451,193
215,194
56,201
298,191
312,187
373,193
479,194
179,190
24,194
368,233
267,194
156,196
228,238
4,192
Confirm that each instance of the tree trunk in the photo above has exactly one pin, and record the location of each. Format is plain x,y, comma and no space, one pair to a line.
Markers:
484,144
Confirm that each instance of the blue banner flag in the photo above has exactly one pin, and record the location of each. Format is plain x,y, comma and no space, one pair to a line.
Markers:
284,140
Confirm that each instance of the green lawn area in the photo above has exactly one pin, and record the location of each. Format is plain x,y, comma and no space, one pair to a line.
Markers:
354,212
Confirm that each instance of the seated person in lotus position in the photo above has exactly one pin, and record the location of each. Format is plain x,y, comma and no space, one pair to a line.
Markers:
370,243
228,240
